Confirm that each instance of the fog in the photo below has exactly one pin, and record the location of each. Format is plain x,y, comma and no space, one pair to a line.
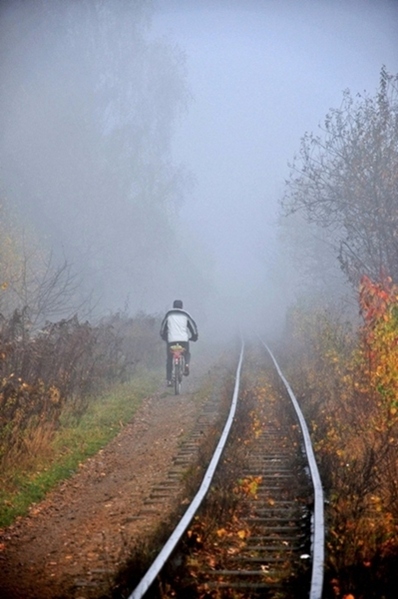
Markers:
261,74
233,87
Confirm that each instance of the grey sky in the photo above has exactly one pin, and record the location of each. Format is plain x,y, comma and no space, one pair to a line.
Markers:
261,74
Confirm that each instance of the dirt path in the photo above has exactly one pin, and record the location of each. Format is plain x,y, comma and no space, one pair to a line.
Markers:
70,544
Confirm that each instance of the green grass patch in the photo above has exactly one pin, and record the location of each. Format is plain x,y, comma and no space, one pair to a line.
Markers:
75,441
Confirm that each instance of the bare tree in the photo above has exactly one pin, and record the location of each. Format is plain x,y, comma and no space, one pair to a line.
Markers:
33,284
346,180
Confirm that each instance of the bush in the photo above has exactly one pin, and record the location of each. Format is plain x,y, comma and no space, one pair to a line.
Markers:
346,381
57,368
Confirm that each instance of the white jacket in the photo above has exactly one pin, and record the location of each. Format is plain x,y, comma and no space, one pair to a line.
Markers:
178,325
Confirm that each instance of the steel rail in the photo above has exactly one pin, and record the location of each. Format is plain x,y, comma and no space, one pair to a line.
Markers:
176,535
318,544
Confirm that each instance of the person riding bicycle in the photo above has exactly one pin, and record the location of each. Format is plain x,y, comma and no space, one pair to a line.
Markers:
178,327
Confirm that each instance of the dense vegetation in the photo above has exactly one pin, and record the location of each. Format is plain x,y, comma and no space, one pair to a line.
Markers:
345,368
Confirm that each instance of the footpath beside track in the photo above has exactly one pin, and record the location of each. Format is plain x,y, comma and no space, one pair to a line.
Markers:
80,539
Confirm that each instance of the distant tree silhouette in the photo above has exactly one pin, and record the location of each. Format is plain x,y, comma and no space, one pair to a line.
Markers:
87,117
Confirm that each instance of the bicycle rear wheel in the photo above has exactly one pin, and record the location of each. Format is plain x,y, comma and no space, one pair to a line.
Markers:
179,369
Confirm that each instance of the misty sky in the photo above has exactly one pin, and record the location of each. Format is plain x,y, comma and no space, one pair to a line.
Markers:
261,73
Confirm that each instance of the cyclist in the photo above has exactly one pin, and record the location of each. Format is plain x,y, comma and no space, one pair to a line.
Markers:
178,327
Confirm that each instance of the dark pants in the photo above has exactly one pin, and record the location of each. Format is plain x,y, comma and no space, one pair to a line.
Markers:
169,363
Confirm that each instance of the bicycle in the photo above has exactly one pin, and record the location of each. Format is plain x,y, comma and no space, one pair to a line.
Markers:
178,366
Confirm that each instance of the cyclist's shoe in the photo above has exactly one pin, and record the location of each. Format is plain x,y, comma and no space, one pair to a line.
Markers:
169,383
186,371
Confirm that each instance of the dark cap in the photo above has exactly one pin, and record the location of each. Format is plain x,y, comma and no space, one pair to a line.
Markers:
177,304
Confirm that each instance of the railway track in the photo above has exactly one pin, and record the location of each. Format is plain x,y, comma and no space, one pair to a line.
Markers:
278,550
275,555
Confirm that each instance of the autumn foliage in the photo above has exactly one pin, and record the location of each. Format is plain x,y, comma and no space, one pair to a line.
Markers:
379,308
347,380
